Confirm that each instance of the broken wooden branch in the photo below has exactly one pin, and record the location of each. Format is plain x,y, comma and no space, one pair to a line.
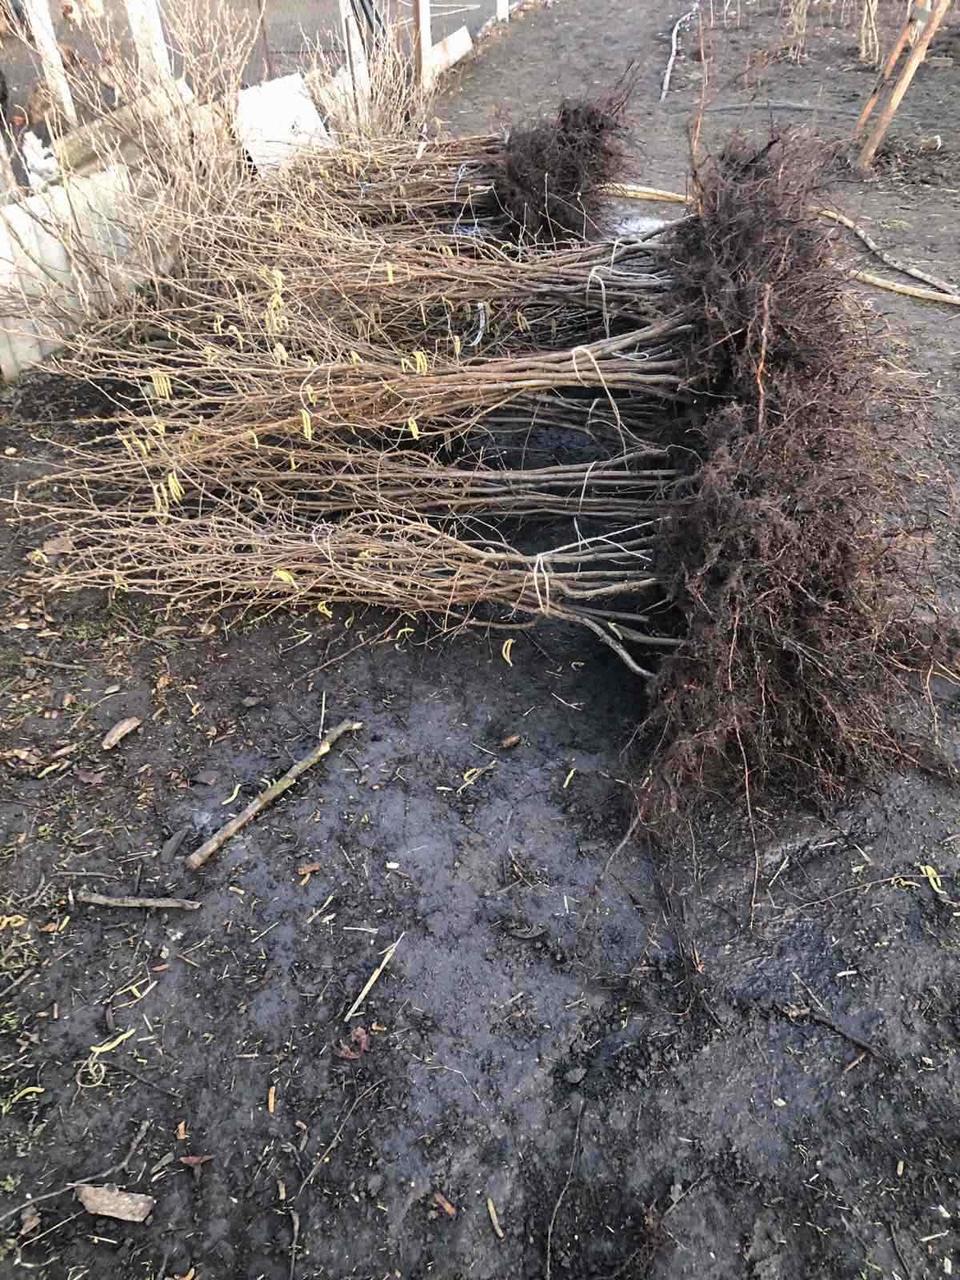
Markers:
908,290
886,258
144,904
266,798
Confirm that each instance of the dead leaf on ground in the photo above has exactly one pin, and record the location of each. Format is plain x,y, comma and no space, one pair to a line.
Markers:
58,545
91,777
361,1038
120,731
358,1046
110,1202
29,1221
440,1199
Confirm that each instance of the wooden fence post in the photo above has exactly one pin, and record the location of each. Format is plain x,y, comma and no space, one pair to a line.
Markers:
503,10
146,27
357,64
423,41
934,18
45,38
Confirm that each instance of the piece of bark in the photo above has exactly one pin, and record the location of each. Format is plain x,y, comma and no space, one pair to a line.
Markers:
111,1202
120,731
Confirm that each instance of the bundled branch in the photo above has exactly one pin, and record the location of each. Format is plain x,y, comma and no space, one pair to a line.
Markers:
319,407
544,182
235,561
394,377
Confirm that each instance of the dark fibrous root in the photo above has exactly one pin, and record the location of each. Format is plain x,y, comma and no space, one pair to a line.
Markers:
551,176
803,622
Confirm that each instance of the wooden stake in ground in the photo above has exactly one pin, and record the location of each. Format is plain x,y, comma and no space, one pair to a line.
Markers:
889,66
146,27
916,56
266,798
423,41
44,36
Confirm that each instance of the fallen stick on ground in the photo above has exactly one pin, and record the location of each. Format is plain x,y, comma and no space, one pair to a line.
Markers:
887,259
146,904
942,292
908,290
675,45
769,105
798,1015
266,798
372,980
319,1163
563,1190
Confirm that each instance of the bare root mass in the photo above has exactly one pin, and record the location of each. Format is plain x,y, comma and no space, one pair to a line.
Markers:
552,175
394,375
805,624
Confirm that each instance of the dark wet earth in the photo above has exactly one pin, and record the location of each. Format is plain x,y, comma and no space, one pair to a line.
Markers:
585,1057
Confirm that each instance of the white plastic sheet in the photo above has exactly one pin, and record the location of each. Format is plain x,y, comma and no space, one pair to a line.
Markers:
278,119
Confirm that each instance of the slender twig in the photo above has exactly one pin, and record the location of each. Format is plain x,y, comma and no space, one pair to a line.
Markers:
295,1229
907,1272
372,980
267,797
145,904
321,1160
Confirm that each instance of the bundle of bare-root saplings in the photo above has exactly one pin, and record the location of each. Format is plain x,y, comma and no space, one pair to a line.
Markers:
413,373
